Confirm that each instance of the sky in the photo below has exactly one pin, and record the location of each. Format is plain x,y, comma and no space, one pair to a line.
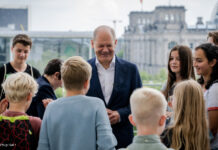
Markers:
86,15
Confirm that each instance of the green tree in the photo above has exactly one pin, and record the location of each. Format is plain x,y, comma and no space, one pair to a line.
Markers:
161,76
120,54
59,92
145,76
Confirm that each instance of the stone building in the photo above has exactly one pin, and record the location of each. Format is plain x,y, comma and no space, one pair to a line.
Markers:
48,45
14,18
151,35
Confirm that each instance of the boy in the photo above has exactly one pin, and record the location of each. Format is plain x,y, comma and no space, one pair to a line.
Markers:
18,130
148,108
76,121
20,50
48,83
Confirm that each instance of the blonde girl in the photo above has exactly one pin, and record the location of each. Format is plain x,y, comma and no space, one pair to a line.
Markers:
189,130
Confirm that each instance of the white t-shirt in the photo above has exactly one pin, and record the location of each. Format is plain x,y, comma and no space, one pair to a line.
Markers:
211,102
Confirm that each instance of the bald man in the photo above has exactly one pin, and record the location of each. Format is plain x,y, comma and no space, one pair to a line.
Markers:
113,80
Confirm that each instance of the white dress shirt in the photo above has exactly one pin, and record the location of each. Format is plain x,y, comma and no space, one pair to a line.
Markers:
106,77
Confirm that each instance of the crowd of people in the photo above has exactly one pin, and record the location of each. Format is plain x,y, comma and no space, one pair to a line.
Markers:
105,99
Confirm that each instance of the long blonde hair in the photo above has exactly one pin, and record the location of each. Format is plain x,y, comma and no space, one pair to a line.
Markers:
190,127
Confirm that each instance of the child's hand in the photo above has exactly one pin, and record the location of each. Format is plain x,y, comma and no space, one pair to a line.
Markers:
169,114
3,105
46,101
170,102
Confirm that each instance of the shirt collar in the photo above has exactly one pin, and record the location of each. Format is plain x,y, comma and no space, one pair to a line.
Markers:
112,64
147,139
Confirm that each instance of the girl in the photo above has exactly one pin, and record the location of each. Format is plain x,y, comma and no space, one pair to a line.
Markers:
189,129
205,62
179,68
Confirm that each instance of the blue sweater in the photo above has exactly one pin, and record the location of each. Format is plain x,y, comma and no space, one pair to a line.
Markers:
76,123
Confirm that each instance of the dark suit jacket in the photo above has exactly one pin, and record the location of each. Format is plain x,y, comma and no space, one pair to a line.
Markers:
126,80
44,91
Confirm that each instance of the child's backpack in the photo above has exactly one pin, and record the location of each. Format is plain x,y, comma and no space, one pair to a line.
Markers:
16,133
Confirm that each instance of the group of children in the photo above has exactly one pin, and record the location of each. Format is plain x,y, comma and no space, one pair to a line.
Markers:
189,127
81,122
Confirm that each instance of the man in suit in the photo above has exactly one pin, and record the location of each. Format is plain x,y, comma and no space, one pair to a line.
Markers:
48,82
113,80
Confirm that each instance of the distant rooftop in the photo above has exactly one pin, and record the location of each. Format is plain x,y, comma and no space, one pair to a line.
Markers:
170,7
141,12
158,7
51,34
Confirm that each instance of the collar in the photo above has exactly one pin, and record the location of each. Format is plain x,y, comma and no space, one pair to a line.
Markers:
45,78
112,64
13,113
147,139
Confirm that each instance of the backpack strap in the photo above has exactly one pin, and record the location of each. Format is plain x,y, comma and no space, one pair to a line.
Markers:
5,71
31,69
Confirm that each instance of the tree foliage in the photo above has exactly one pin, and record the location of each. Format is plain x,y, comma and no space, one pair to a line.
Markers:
159,77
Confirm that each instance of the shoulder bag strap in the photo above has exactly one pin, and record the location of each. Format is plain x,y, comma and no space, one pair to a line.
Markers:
5,71
31,69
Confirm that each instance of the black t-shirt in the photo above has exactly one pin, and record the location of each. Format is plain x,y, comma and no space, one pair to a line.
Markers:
10,70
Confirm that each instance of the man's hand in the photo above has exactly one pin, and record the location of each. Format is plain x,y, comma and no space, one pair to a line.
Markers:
46,101
114,116
3,105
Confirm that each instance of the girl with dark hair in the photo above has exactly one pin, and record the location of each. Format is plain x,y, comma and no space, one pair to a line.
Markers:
179,68
206,64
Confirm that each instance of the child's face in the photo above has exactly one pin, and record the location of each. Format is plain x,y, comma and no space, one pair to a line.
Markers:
20,53
201,64
174,62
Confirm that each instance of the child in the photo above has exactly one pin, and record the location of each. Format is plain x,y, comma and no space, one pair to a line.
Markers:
206,64
18,130
76,121
48,83
189,130
180,67
21,47
148,108
212,37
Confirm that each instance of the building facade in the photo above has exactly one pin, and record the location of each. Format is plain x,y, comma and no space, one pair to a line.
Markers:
48,45
14,18
151,35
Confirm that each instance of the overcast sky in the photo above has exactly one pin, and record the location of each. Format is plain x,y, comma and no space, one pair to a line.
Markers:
85,15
